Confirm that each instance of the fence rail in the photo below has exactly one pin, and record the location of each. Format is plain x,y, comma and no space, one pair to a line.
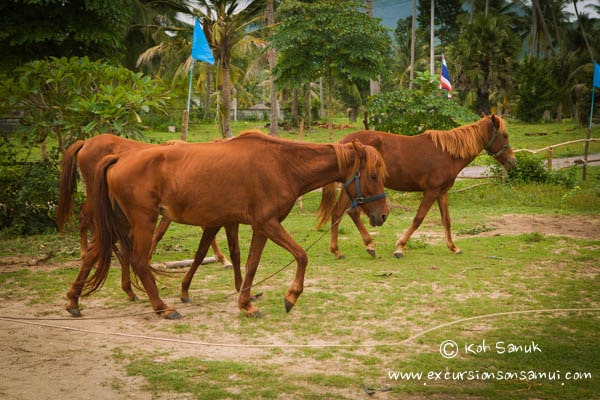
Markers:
549,150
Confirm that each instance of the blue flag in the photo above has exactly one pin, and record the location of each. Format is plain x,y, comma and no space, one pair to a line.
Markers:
596,75
200,48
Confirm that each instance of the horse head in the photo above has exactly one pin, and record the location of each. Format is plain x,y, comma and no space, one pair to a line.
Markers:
365,183
498,146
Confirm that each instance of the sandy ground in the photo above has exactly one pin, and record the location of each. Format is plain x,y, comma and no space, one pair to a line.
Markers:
76,361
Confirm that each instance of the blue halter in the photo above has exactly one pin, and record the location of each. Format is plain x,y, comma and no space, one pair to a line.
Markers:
359,199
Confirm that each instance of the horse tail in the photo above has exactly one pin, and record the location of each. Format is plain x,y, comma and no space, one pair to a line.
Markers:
67,184
328,202
107,229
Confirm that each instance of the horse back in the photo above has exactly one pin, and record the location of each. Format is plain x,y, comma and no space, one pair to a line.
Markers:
414,163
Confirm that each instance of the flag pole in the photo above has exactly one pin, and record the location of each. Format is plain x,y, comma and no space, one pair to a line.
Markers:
588,136
186,112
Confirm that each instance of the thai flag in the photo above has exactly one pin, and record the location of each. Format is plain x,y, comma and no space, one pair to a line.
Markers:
445,77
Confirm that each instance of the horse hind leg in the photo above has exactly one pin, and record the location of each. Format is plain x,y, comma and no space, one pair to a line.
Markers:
77,286
445,213
219,256
424,207
140,262
125,275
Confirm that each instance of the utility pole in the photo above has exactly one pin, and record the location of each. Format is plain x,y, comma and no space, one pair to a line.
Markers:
413,35
373,85
432,41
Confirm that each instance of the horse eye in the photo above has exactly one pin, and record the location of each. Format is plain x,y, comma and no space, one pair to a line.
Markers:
374,177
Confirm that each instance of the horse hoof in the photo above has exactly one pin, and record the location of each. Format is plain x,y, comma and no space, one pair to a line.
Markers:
340,257
459,251
134,298
256,314
172,315
371,252
228,266
186,300
398,254
74,312
288,305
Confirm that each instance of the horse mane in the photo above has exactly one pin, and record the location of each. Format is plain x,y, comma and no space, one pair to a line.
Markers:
344,155
465,141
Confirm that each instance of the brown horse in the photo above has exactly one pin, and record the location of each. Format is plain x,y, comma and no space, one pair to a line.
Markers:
85,156
428,163
252,179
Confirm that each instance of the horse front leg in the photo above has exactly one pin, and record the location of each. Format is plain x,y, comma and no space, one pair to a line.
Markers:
364,234
426,202
445,213
281,237
234,252
208,236
336,218
257,245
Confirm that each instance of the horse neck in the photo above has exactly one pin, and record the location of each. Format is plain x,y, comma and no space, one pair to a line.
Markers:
313,165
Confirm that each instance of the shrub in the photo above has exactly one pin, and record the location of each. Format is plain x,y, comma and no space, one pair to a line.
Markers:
410,112
29,196
532,169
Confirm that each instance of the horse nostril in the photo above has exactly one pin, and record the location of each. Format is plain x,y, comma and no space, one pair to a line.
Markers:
383,217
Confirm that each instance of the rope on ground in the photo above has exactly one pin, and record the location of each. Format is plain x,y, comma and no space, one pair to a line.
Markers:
309,345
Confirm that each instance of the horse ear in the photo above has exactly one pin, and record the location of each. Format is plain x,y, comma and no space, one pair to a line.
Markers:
359,148
495,120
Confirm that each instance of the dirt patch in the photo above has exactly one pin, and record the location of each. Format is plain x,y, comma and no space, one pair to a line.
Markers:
76,361
586,227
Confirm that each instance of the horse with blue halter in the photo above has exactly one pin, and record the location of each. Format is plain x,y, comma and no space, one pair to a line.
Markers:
252,179
427,163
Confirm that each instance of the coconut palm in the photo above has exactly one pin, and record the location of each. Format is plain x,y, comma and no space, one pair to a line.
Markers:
226,24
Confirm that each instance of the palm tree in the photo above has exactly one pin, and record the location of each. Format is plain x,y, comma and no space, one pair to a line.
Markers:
484,58
226,24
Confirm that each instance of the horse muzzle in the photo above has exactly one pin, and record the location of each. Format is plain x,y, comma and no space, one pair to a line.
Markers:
510,163
377,219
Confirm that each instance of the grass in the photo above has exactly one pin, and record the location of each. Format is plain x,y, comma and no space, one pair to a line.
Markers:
382,302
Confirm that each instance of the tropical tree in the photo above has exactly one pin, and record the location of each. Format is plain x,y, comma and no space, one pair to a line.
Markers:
226,24
485,57
328,39
33,30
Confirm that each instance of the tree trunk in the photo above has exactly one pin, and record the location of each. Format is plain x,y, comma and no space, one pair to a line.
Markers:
207,95
587,44
274,127
330,104
294,112
226,127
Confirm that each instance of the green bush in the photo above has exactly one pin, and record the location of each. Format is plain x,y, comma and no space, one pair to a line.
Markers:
75,98
29,197
531,168
410,112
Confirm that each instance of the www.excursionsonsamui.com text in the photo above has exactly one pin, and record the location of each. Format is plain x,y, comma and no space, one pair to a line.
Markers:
489,376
